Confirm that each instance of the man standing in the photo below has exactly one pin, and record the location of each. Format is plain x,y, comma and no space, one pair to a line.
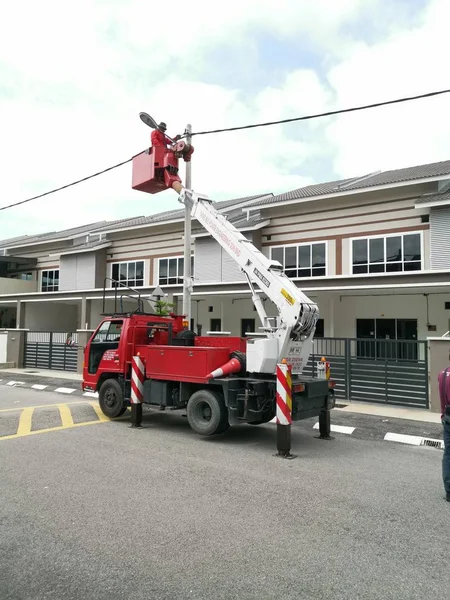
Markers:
444,394
159,137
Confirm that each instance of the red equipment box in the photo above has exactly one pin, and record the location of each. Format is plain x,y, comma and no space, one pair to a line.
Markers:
181,363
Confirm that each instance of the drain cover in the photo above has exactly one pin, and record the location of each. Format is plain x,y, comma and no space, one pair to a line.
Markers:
433,443
31,371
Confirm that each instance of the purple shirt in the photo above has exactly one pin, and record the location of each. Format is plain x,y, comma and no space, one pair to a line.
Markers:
444,389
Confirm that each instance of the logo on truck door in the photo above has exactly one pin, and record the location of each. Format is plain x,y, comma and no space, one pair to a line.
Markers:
287,295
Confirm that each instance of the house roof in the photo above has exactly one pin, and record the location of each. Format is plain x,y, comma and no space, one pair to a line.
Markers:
371,180
49,236
104,226
442,199
357,183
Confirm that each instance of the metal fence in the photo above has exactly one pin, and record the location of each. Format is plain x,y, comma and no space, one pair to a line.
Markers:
389,371
51,350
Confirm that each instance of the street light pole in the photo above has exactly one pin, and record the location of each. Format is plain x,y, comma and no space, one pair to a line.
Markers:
187,241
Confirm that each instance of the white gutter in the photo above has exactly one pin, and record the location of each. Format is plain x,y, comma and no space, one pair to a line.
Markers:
253,228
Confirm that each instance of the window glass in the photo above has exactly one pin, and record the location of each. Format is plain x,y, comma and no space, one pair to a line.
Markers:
359,252
318,255
376,250
277,254
411,246
393,249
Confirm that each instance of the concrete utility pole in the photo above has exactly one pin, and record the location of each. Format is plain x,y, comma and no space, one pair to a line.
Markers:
187,241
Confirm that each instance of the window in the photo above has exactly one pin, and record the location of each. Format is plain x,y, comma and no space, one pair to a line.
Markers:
304,260
171,270
50,281
109,331
129,273
22,276
387,254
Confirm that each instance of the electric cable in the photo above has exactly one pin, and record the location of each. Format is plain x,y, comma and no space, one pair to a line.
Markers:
241,127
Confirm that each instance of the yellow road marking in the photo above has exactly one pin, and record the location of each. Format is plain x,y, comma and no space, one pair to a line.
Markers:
25,422
66,416
59,428
98,412
24,428
42,406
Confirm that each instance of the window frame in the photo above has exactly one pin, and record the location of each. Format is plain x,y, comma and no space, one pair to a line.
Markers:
177,257
385,236
303,244
41,280
128,262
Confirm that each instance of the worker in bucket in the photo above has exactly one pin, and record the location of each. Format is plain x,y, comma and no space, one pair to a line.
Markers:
444,395
159,137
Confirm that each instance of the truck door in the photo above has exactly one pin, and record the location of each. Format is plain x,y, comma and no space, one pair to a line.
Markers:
105,345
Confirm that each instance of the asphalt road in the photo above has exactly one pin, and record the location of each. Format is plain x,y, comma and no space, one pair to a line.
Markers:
106,511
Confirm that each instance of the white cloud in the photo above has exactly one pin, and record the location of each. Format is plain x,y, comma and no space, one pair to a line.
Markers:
72,85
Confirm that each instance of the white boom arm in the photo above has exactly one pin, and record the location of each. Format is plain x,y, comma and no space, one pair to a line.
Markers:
292,334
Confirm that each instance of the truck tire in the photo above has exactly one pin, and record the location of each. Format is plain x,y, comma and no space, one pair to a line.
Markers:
207,413
110,398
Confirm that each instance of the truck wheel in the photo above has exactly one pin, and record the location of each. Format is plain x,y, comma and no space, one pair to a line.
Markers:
110,398
207,413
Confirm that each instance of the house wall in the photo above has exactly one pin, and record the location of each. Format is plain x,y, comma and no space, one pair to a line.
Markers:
77,272
17,286
337,220
51,316
213,264
440,237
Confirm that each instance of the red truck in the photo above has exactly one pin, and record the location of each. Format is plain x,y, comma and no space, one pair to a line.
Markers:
220,380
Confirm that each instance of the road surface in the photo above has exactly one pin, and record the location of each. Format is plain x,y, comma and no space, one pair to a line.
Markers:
97,510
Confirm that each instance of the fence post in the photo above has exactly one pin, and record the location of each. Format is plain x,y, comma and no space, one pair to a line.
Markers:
50,353
427,387
348,367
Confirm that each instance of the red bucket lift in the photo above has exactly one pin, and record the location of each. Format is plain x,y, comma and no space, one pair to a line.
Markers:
156,169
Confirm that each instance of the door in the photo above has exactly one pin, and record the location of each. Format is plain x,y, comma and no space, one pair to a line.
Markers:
365,331
386,330
247,326
407,330
103,346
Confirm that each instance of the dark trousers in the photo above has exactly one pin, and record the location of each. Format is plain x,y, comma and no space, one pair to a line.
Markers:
446,457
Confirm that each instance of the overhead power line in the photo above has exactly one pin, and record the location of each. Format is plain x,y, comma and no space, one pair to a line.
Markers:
241,127
63,187
325,114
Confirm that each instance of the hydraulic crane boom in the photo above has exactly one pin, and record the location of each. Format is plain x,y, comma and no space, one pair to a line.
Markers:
290,336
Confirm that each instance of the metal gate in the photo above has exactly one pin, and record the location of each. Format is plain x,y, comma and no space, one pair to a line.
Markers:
389,371
51,350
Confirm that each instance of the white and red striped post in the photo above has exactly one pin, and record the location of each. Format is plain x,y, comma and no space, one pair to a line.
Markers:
284,410
137,390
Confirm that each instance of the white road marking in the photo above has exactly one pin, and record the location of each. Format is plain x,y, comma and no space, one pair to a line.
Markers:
339,429
14,383
38,386
63,390
91,394
414,440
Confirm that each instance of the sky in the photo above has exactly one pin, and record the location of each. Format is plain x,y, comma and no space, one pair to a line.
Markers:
73,80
